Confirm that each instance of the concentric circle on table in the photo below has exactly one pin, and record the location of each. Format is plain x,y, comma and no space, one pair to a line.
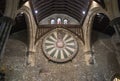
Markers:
60,49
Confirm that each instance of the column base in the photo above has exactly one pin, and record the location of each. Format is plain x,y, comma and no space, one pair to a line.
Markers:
30,58
89,57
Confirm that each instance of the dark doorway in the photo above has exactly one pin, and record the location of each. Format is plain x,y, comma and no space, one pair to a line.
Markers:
101,24
19,30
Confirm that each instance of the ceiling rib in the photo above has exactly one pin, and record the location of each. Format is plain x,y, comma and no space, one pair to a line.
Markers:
73,8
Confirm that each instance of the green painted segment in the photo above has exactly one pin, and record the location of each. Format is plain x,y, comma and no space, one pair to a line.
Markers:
59,55
53,53
50,39
46,44
71,41
65,55
68,37
49,49
53,36
71,46
71,52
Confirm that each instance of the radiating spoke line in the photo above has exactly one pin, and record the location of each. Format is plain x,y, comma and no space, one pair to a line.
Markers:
72,43
52,38
49,46
69,39
47,41
52,55
56,53
71,52
51,51
59,55
65,55
71,46
64,38
66,52
55,34
62,55
71,49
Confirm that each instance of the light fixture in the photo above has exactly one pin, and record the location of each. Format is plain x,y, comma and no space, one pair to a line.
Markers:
98,13
36,11
65,21
21,12
83,12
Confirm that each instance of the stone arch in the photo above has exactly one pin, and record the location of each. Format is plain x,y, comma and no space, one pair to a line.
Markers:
31,28
87,26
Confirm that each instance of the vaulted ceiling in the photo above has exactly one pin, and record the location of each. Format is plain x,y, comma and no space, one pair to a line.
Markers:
43,8
74,8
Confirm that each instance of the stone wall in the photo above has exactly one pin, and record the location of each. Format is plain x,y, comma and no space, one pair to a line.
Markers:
104,67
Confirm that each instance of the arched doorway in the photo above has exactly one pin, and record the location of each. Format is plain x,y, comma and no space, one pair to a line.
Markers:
18,39
101,24
20,28
100,31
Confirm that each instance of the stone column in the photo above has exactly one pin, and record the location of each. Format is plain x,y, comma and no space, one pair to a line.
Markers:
116,12
6,25
31,58
31,30
87,30
118,30
11,8
112,8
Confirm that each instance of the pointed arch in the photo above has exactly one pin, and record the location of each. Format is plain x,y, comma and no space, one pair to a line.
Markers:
31,28
87,26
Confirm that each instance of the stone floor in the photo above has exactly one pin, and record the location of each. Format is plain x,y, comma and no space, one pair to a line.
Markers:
14,63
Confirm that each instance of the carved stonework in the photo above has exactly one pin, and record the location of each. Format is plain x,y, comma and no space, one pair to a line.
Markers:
44,29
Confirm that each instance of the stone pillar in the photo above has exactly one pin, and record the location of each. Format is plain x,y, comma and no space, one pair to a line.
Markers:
31,58
112,8
11,7
31,27
118,30
6,25
116,12
89,58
